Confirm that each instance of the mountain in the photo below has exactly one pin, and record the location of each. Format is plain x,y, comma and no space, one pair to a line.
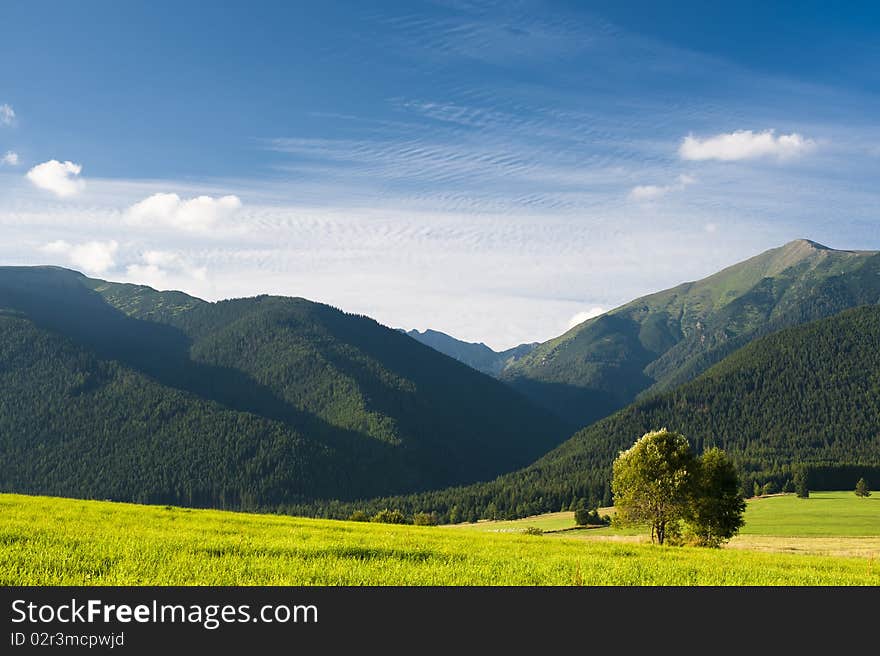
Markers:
120,391
804,395
662,340
475,355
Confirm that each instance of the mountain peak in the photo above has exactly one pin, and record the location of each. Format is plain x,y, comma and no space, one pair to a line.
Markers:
807,243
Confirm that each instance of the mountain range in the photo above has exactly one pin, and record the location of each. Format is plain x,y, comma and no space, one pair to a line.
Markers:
807,396
662,340
120,391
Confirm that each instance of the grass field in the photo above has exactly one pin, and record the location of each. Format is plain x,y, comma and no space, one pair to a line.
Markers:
826,522
48,541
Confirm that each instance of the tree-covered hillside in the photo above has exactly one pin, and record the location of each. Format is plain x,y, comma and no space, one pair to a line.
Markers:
119,391
808,395
660,341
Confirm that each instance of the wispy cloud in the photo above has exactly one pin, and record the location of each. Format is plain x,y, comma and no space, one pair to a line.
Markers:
10,158
653,192
7,114
59,178
494,32
745,144
506,197
498,277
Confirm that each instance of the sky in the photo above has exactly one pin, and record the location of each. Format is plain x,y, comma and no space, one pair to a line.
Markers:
498,171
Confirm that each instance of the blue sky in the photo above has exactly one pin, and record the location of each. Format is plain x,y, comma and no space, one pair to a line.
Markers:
491,169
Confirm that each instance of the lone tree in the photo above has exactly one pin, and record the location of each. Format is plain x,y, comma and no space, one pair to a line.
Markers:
801,485
862,489
660,481
651,482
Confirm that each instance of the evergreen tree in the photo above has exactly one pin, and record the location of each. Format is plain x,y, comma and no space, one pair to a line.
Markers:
862,489
801,485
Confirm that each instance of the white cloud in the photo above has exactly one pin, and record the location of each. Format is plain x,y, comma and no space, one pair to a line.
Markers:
61,178
196,214
647,192
7,114
10,158
157,268
91,256
580,317
745,144
644,193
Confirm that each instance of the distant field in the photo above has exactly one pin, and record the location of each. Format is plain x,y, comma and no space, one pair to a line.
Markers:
549,522
823,514
827,523
48,541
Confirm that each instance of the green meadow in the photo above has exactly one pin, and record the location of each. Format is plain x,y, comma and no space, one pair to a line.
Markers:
50,541
823,514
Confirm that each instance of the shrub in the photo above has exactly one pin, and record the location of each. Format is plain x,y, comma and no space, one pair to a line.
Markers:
389,517
533,530
585,517
425,519
359,516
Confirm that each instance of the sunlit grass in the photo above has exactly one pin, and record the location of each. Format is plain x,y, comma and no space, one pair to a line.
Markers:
48,541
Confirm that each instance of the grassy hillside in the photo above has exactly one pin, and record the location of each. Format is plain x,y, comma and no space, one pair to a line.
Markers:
120,391
659,341
47,541
809,394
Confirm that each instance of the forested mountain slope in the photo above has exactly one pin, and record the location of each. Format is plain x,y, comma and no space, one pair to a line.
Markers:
119,391
808,395
659,341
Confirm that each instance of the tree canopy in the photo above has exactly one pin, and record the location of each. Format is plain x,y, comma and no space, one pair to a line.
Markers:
661,482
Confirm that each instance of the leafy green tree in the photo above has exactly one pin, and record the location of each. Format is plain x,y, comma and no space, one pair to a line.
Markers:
652,482
387,516
425,519
715,511
801,484
769,488
757,489
586,517
582,516
359,516
862,489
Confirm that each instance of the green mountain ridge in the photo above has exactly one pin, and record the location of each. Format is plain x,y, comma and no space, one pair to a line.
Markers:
662,340
119,391
806,395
